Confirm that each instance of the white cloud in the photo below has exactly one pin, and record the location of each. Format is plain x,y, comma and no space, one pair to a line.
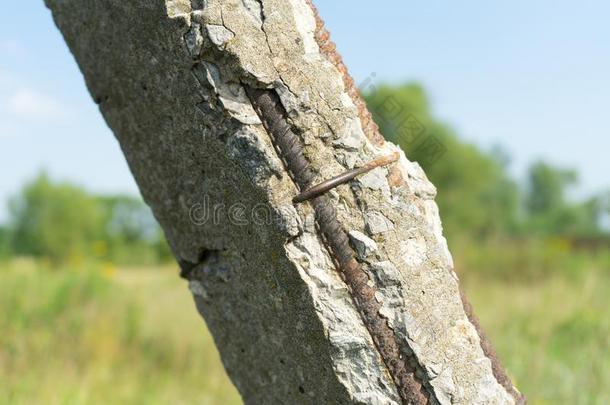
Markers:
22,106
28,103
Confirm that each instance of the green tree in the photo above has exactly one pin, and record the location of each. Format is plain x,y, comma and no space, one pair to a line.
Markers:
4,242
58,221
132,235
548,208
547,187
61,221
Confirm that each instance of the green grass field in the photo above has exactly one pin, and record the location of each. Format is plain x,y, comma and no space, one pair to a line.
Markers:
552,335
104,335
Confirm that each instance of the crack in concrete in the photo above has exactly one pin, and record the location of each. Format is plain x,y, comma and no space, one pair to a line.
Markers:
327,48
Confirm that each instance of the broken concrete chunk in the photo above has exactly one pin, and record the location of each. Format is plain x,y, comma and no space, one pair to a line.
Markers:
418,182
178,8
219,35
386,273
247,149
197,289
232,95
349,160
194,40
364,245
377,223
207,74
289,101
375,180
353,137
234,99
255,10
289,220
444,387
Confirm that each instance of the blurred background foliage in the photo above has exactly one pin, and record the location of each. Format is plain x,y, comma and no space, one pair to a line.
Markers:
89,288
63,223
495,225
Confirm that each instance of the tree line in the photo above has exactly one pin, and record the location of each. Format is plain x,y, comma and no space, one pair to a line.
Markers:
62,222
478,199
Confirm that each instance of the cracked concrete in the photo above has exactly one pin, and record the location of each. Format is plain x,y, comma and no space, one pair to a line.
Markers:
170,72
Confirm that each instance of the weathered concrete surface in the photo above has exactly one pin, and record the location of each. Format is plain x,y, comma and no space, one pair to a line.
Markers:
167,75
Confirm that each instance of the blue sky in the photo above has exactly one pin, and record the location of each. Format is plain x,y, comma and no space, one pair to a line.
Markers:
531,76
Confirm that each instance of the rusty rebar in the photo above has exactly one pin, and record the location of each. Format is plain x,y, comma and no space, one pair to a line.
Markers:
402,368
343,178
